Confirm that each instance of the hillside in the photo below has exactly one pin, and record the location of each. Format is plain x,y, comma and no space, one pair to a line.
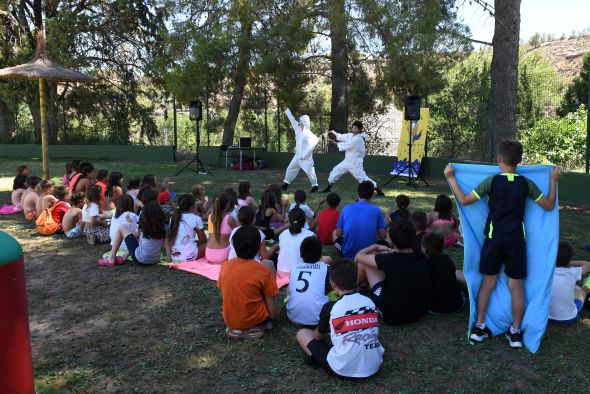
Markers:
565,55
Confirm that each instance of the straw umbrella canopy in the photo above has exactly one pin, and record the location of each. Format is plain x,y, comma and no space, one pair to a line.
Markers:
42,68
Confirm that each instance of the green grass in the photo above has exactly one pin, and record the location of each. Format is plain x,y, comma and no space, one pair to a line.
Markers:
130,328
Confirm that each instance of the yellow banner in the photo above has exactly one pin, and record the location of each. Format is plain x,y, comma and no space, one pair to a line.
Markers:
418,130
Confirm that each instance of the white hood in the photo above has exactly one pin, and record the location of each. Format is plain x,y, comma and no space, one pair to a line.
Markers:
305,121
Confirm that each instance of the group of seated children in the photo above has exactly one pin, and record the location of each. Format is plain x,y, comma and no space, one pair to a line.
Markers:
402,268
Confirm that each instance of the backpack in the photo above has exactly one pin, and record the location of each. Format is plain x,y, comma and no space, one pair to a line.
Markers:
45,223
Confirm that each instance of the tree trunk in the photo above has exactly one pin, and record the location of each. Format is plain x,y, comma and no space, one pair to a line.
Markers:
6,122
240,78
339,60
504,75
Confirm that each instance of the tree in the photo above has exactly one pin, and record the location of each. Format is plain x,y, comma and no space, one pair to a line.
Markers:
504,74
235,45
577,92
116,41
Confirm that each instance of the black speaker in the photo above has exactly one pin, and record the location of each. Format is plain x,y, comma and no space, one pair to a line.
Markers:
412,108
245,142
195,110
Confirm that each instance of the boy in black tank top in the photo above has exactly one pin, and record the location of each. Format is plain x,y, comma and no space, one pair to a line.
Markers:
504,241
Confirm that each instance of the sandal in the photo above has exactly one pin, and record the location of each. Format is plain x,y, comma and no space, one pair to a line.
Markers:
251,333
105,262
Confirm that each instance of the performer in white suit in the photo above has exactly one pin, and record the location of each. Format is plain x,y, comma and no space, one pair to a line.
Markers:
353,145
305,143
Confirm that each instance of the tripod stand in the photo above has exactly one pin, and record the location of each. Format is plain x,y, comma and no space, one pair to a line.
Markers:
199,164
412,174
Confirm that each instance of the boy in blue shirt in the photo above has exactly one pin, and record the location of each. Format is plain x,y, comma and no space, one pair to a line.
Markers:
360,223
504,241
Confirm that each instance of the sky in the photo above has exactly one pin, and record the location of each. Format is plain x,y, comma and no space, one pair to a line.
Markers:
536,16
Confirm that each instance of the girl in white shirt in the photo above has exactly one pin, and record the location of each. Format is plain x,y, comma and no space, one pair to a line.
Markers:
96,229
290,242
185,226
299,198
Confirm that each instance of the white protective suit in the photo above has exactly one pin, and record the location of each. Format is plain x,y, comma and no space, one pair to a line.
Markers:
353,146
305,143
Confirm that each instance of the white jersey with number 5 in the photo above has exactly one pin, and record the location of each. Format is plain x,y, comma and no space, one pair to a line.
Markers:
307,292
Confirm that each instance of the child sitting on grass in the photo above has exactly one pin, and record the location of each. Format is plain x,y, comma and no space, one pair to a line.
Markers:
327,219
346,340
299,202
402,203
308,285
101,181
22,170
202,203
113,191
30,198
244,197
399,279
290,242
68,171
19,186
185,225
144,243
46,198
567,299
443,221
246,217
96,228
247,287
61,206
418,219
123,211
133,187
220,227
446,281
72,223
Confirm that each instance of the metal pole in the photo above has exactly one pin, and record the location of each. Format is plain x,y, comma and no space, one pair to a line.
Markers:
207,116
63,110
588,124
279,124
265,121
16,118
174,127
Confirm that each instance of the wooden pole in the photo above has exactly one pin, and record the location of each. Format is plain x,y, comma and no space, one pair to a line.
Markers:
43,112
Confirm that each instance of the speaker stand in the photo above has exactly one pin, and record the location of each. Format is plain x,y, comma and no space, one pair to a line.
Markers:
200,170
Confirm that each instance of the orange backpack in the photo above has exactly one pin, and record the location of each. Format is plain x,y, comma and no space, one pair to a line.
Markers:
45,223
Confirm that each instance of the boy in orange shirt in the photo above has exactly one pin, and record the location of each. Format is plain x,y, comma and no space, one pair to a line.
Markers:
248,288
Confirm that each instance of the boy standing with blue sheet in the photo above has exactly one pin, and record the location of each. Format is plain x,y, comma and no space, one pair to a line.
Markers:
504,233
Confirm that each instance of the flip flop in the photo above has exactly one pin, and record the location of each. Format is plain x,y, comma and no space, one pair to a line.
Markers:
119,260
252,333
104,262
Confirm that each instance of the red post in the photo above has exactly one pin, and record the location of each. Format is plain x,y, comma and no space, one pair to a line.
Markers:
16,362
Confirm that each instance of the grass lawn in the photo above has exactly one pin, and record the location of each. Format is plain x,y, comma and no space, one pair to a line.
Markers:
151,329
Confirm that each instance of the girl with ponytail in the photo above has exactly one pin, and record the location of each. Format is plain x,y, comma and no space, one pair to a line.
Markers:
290,242
184,227
220,226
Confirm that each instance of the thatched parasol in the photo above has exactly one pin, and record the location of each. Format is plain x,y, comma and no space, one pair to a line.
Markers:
42,68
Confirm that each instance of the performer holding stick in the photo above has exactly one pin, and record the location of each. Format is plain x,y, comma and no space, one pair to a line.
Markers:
305,143
353,145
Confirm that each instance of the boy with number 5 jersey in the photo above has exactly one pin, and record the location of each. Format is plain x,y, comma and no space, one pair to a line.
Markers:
308,284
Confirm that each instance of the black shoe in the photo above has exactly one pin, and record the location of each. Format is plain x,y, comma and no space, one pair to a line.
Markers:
314,189
479,334
311,361
285,187
379,192
327,189
514,338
